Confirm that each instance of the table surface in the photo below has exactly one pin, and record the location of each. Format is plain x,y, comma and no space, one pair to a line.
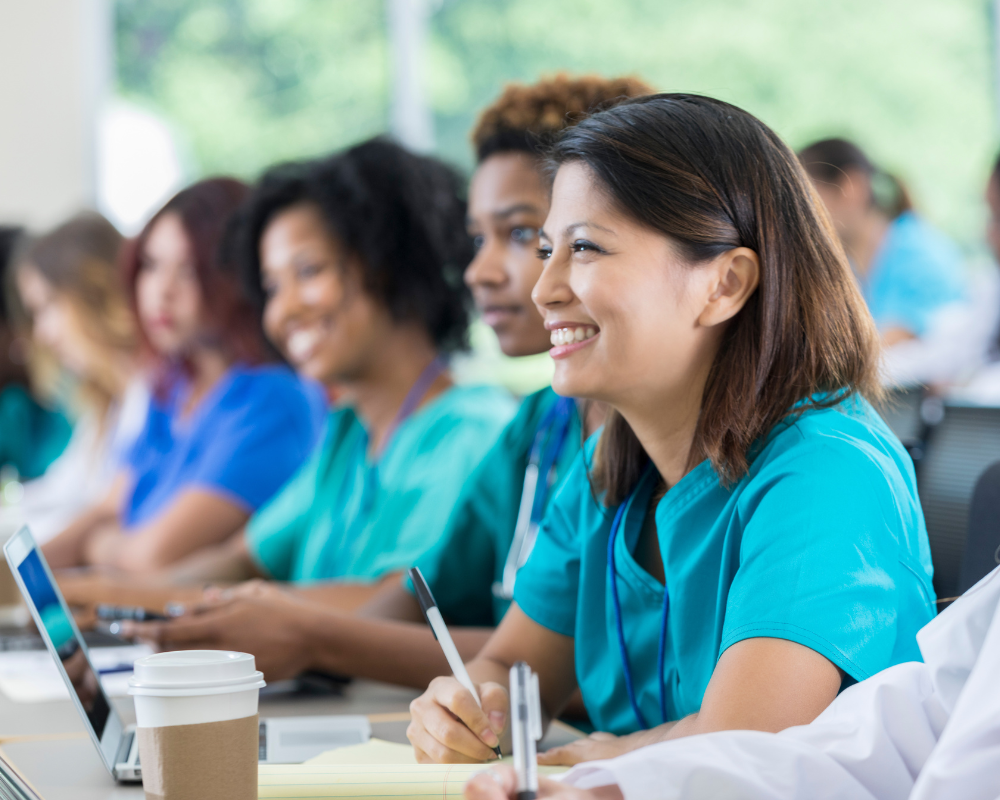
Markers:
48,744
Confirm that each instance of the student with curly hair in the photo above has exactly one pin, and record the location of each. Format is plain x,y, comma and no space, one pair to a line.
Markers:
358,260
491,528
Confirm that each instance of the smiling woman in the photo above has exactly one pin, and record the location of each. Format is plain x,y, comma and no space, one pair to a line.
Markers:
224,430
744,536
358,259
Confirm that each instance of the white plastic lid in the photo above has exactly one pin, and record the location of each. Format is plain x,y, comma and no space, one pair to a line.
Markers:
194,672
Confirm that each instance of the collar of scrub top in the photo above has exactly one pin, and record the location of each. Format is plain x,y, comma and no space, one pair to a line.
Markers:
623,650
550,436
370,477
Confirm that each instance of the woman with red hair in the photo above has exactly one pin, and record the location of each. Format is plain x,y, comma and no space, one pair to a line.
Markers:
225,429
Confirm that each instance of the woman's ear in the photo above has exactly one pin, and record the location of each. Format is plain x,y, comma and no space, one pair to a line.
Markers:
734,277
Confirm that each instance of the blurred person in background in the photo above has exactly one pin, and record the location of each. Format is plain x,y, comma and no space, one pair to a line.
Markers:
225,430
32,434
358,260
912,276
70,288
983,385
490,532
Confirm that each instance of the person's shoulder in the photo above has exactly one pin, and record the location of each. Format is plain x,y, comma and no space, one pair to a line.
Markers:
915,238
472,405
273,388
846,440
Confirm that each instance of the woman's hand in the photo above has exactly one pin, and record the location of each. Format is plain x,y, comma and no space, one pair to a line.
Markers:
263,620
500,783
599,746
447,727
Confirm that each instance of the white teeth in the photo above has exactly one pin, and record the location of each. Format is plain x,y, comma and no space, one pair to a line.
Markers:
301,343
564,336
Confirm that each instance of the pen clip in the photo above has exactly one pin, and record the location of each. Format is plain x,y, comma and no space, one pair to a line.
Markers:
534,708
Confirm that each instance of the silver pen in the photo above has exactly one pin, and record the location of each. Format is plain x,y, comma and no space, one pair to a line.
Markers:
526,728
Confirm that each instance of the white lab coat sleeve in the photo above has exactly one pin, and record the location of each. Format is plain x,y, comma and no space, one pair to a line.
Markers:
966,762
870,743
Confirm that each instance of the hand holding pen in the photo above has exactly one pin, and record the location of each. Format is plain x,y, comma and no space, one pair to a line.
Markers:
480,711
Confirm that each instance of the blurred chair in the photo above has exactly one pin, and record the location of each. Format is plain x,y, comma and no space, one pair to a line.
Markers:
982,546
910,413
958,451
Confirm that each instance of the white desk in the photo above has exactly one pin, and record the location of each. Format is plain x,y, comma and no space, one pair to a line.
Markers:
48,744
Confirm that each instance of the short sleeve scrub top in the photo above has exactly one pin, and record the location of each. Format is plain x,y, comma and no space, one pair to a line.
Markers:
243,441
344,516
467,565
822,543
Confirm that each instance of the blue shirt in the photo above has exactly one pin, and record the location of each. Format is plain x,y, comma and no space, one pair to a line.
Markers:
344,516
822,543
916,271
244,440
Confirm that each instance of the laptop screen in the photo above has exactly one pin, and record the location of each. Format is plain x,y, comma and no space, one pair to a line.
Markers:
69,648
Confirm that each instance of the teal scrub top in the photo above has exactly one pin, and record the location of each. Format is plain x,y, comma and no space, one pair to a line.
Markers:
345,517
916,271
470,557
31,436
821,543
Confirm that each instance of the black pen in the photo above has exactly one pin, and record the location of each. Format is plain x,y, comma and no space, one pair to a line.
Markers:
433,616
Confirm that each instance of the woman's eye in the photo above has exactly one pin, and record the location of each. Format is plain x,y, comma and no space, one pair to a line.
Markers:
478,242
524,235
582,246
307,271
544,252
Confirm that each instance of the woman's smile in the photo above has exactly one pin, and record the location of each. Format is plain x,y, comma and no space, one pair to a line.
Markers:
569,337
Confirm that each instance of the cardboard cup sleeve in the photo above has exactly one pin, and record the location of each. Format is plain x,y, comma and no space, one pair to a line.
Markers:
215,760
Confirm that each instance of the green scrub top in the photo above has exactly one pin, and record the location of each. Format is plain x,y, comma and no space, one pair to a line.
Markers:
821,543
344,517
470,557
31,436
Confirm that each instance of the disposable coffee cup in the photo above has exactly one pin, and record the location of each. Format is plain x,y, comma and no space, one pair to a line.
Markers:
196,719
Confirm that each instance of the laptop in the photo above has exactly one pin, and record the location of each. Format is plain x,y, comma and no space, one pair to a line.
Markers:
283,740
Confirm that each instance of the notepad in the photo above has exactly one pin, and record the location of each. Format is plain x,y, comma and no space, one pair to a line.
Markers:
375,769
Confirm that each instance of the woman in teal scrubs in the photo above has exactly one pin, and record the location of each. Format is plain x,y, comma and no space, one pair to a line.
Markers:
744,536
359,258
491,527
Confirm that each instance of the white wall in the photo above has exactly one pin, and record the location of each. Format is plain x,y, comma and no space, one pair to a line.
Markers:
55,69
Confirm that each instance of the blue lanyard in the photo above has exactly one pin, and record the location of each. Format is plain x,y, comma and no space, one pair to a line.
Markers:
662,652
554,427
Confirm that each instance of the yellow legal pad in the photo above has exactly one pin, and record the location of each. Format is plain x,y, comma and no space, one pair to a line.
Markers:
344,781
375,769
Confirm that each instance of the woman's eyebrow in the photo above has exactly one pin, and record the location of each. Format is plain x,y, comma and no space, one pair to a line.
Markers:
576,225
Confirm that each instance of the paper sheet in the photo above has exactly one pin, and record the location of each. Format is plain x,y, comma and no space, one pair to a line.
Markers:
30,676
375,769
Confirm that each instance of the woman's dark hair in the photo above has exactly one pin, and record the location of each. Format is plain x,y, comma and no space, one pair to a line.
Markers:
401,215
528,118
829,161
711,178
204,210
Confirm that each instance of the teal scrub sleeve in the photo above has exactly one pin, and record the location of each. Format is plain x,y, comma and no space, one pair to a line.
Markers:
548,584
819,560
278,528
